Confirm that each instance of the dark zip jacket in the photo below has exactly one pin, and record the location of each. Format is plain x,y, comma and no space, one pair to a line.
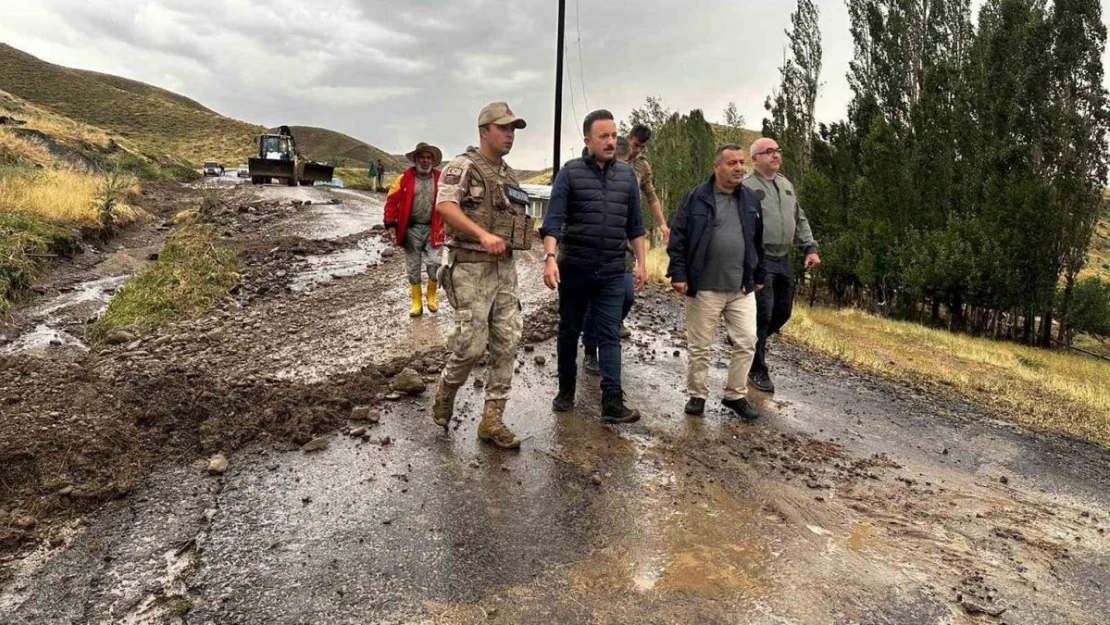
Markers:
692,227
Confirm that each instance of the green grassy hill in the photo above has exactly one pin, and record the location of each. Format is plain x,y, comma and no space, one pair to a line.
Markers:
163,126
335,147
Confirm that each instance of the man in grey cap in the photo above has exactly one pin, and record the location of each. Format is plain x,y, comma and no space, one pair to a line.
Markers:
484,208
412,221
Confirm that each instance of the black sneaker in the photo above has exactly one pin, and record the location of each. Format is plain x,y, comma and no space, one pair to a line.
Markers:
590,363
563,402
613,410
695,406
742,408
761,380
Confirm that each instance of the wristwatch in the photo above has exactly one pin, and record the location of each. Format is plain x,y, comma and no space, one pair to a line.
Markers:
549,255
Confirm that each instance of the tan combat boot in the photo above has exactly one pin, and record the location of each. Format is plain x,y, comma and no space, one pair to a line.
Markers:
444,407
492,430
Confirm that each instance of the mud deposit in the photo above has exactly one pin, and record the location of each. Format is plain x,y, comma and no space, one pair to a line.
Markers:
853,500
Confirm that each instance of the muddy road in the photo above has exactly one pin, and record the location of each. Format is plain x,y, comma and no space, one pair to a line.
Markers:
853,500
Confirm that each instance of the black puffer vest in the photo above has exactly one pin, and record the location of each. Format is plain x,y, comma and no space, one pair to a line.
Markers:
595,234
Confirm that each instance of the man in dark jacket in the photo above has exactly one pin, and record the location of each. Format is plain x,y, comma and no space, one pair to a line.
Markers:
716,261
593,214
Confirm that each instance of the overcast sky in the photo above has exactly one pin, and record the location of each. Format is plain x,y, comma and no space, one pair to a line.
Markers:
396,72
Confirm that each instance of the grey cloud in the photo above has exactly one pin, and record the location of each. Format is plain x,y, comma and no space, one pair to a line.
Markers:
393,72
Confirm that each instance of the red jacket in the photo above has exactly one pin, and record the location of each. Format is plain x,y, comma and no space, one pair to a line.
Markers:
398,206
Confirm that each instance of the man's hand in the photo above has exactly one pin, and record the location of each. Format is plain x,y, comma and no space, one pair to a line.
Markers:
666,233
639,277
758,288
679,287
392,233
551,273
813,261
493,244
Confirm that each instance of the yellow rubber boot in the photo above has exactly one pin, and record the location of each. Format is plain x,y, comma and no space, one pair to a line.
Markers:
417,302
433,304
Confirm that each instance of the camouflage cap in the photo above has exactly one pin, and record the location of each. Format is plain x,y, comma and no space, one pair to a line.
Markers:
499,113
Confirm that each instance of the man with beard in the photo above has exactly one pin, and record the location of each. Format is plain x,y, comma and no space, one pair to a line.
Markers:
784,226
414,224
593,214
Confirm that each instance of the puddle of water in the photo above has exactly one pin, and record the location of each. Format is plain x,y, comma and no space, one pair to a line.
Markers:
341,264
87,299
99,292
40,339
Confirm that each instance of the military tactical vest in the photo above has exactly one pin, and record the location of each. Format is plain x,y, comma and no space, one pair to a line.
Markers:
498,205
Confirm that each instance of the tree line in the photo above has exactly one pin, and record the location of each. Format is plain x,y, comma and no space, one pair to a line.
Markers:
965,182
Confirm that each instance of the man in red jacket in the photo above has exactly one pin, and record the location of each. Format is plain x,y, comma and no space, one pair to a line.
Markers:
414,224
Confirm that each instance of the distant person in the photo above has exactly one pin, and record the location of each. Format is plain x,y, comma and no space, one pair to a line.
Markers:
374,174
381,172
485,212
414,224
593,214
716,261
784,225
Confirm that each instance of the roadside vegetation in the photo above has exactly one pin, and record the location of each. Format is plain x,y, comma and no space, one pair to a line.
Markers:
192,273
47,207
1041,389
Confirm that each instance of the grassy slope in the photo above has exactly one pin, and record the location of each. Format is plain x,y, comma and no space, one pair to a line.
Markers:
1056,391
329,145
1098,258
161,125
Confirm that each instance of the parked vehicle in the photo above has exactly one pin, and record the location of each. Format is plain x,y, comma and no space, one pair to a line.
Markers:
212,168
244,171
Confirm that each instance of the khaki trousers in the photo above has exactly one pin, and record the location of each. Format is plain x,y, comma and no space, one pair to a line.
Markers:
487,317
702,313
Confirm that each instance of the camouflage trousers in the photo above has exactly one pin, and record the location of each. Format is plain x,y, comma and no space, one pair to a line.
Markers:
487,315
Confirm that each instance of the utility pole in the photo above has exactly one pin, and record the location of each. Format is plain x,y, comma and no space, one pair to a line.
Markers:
558,90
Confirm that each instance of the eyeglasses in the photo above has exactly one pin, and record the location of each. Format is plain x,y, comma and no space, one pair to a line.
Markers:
769,152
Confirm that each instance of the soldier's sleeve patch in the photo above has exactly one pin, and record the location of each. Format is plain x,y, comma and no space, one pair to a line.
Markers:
453,175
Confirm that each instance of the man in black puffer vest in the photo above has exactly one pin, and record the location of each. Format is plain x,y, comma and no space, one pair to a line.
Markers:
593,214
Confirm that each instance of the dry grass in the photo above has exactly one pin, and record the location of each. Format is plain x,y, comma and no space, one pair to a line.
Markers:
65,197
1041,389
18,151
1098,255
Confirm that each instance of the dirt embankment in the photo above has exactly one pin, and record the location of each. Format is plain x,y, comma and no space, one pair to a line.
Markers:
83,428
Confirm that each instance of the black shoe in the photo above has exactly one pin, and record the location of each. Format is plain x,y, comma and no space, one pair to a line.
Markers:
613,410
742,408
563,402
761,380
695,406
590,363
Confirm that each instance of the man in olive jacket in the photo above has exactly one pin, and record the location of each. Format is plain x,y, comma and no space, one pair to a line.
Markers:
784,225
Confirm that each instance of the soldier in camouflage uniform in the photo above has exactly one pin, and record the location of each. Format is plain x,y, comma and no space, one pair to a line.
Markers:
484,208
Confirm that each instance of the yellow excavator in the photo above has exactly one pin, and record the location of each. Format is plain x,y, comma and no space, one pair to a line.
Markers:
278,159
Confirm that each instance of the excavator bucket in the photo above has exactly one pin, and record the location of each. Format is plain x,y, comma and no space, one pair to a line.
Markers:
317,172
263,169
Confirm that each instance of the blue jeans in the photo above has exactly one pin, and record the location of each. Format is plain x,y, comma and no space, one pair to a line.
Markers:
604,295
589,330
